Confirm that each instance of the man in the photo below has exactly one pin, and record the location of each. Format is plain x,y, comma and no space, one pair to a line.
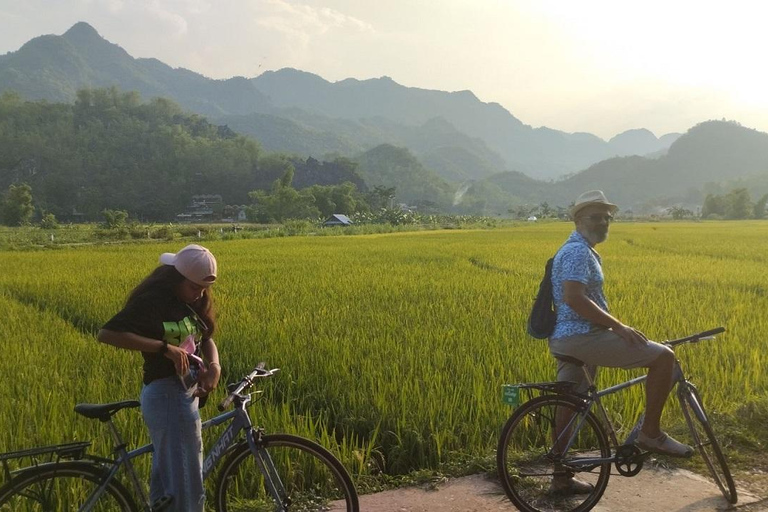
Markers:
586,330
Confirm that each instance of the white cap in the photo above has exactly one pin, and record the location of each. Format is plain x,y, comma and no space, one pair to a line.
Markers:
194,262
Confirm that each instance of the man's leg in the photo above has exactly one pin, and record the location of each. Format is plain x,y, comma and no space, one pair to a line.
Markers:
566,483
606,348
657,388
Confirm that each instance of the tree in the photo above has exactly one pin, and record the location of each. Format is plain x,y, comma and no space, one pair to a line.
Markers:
679,213
334,198
49,221
380,197
282,202
114,218
521,211
714,205
759,210
17,206
739,204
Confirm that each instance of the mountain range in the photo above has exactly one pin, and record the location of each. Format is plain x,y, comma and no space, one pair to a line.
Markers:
301,113
441,144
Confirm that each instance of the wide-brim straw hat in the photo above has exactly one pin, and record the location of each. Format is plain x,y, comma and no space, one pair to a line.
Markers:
588,199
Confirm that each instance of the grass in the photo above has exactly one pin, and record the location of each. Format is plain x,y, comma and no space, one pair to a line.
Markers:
393,347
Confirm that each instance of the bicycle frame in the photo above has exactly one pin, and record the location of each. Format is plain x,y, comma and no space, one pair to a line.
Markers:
104,470
557,435
239,421
124,458
594,397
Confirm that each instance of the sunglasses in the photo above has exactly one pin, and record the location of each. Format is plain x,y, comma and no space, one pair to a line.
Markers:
597,217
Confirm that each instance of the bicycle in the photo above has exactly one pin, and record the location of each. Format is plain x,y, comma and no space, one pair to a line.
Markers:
276,472
531,451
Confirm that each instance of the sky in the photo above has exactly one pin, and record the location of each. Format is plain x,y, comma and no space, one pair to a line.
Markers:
598,66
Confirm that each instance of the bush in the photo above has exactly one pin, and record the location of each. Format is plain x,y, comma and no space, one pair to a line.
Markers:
115,218
120,233
164,232
297,227
49,221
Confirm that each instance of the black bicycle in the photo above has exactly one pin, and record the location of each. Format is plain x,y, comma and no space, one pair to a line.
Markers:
532,451
260,471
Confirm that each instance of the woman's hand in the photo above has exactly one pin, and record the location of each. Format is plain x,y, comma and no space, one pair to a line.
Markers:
179,358
208,380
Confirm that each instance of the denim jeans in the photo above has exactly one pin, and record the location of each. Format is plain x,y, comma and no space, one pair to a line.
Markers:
173,421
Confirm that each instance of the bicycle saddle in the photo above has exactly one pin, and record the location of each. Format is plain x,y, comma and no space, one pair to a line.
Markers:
103,412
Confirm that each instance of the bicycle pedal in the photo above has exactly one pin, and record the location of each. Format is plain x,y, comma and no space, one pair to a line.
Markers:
162,503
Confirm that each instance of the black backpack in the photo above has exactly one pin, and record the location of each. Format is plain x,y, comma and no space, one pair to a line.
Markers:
541,321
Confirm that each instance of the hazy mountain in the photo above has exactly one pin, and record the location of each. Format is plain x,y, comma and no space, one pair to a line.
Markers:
390,166
457,164
54,67
286,135
712,157
540,152
438,137
710,153
311,116
298,131
641,142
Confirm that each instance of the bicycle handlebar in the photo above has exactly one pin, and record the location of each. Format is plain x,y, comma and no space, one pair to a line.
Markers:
259,372
694,338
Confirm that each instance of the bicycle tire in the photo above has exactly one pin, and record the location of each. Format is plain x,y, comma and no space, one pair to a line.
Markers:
313,478
705,441
63,486
526,469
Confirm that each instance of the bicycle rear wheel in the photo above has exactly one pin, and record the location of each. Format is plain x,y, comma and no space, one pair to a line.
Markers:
313,479
528,461
62,487
705,441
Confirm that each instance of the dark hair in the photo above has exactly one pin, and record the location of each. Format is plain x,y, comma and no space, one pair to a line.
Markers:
166,277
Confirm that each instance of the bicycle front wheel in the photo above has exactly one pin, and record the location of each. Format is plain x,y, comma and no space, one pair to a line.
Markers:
63,487
309,477
537,463
704,440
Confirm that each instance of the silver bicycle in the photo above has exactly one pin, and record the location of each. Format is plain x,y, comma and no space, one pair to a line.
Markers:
255,470
566,434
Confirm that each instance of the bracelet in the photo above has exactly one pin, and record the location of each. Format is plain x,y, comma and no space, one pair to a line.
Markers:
164,348
215,364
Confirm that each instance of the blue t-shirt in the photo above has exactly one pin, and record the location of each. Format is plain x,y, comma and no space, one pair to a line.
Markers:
576,261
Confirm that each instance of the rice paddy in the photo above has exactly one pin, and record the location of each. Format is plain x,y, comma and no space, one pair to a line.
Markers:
392,348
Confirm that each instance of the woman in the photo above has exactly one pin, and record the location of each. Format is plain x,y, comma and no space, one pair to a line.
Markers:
167,316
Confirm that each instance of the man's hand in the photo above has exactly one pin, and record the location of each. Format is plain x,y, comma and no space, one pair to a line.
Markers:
631,334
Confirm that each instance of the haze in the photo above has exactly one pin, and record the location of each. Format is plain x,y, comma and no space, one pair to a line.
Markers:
600,66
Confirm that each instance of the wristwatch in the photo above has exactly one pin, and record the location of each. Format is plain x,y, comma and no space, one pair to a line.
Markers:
164,348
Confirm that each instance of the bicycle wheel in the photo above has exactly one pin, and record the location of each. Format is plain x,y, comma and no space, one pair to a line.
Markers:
62,487
704,440
312,477
528,461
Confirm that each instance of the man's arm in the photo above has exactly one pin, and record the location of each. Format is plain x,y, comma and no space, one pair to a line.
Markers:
575,295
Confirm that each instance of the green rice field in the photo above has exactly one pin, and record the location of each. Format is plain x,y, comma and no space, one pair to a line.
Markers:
393,348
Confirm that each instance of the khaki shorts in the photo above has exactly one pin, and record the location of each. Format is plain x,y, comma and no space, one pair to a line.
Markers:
601,347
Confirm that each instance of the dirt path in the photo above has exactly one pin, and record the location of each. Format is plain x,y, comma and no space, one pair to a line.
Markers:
653,490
